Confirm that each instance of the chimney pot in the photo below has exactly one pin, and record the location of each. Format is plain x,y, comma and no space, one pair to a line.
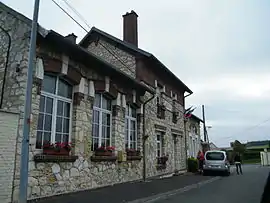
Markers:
130,27
71,37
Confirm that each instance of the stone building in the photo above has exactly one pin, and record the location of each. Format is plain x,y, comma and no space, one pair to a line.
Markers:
194,143
102,95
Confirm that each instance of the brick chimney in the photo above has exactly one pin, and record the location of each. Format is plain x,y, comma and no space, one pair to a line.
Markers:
71,37
130,28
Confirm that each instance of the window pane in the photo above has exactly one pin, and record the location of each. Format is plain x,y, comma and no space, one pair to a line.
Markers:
95,130
107,142
133,125
97,100
42,103
48,123
106,103
39,140
133,145
46,137
65,138
108,132
94,143
49,84
66,109
58,137
106,119
158,137
126,124
133,135
59,108
66,125
59,124
95,116
49,105
64,89
40,121
133,112
104,131
103,142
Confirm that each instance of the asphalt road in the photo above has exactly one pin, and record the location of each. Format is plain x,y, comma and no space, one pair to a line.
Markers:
246,188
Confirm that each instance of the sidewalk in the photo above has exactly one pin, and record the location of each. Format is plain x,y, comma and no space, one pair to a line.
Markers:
126,192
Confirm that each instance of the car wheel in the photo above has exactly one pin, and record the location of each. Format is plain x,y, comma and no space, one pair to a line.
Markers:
227,173
205,173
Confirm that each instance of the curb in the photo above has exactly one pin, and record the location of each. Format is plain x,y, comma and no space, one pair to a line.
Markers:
163,196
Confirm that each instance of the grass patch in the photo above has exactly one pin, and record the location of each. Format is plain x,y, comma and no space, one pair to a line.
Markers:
252,161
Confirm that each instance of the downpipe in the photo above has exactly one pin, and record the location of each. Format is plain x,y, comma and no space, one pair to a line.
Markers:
6,66
144,137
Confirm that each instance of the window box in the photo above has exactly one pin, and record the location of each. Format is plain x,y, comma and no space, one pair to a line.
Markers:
62,152
103,158
133,158
161,162
103,153
54,158
133,152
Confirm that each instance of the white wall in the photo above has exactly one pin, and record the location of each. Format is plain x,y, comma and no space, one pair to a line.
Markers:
8,135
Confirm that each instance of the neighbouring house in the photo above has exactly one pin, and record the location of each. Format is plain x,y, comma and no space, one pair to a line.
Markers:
258,145
193,127
103,111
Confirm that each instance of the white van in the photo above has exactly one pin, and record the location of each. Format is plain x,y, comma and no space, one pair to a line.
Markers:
217,161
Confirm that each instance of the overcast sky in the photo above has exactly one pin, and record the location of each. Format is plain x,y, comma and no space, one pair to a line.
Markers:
220,49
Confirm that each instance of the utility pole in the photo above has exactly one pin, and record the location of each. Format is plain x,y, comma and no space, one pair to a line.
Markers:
204,126
27,108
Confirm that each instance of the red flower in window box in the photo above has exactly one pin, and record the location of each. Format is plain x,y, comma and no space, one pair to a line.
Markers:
104,151
59,148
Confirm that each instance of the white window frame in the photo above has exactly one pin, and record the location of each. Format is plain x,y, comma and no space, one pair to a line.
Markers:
161,144
100,110
129,118
55,99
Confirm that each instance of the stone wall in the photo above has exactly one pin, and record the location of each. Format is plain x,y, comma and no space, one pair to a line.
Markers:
15,83
46,179
113,55
174,142
8,137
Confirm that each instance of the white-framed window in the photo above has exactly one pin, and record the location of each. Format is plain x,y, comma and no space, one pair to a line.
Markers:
55,109
131,128
102,119
160,145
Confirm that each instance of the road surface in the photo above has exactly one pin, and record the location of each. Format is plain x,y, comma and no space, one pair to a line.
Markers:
246,188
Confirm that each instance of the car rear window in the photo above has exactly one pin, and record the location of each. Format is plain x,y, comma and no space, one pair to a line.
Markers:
211,156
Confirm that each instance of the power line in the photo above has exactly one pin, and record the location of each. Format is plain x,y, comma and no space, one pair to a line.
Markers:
69,15
77,13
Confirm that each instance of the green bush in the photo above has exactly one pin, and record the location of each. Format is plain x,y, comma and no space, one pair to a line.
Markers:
192,165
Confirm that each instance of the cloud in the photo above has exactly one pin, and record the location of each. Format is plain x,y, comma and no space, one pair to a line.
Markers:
220,49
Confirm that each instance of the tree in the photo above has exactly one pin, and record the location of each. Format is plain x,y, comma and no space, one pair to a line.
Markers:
238,147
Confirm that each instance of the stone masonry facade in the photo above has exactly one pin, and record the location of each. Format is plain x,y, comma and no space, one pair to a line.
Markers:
174,141
47,178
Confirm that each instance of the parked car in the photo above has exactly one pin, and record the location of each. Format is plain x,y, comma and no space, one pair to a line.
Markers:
216,161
